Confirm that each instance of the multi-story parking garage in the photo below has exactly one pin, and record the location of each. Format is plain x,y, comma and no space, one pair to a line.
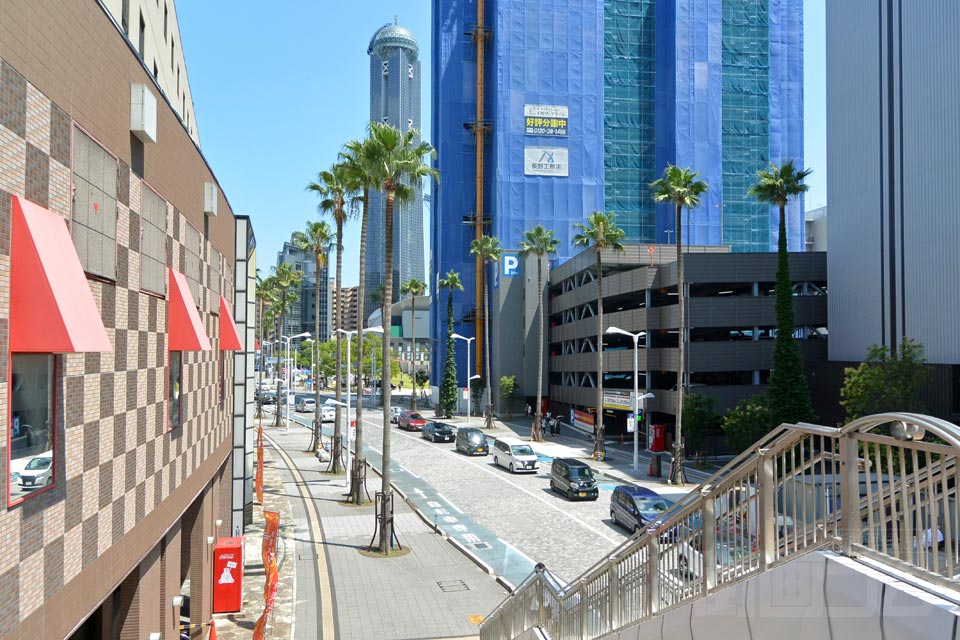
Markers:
732,325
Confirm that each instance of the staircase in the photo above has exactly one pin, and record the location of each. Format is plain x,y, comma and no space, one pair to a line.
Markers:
883,487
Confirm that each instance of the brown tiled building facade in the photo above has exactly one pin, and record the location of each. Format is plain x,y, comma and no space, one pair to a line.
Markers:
125,525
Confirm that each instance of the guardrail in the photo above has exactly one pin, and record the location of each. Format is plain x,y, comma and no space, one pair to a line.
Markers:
871,487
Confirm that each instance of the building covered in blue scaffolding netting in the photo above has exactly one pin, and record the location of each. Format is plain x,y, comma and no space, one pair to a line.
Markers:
586,102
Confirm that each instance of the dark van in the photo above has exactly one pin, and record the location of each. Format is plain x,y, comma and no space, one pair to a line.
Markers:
573,479
472,442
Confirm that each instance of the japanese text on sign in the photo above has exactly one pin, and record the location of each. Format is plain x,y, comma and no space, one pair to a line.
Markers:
545,161
545,120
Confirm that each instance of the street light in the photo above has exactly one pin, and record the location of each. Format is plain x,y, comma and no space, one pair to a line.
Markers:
638,400
349,334
469,377
305,334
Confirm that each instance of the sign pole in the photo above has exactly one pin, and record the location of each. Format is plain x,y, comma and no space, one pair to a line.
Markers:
636,401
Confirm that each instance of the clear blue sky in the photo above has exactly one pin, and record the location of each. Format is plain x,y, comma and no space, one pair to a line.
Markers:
278,91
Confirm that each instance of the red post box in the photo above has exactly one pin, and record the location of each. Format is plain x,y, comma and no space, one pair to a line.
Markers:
657,437
228,575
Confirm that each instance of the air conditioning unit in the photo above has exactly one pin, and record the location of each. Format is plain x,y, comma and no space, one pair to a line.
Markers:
143,113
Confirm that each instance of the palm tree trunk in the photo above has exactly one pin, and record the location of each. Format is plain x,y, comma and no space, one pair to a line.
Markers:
537,417
283,316
486,332
357,484
315,440
413,359
598,446
386,506
335,452
678,476
259,414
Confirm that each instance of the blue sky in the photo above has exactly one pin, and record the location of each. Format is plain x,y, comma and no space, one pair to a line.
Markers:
278,92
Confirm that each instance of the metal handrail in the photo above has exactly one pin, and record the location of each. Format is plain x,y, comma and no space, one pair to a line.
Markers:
870,487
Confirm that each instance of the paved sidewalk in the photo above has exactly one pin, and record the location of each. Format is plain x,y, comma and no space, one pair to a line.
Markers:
434,591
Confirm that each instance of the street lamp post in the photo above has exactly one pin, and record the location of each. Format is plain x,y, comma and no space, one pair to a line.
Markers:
289,339
469,377
349,335
638,400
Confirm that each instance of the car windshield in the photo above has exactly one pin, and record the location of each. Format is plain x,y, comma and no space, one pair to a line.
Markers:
523,450
651,505
38,463
476,437
584,473
416,416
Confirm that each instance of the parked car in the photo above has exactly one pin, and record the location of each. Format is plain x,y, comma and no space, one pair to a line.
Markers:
395,414
634,507
573,479
437,432
472,441
515,455
731,550
38,472
305,405
328,413
269,397
411,421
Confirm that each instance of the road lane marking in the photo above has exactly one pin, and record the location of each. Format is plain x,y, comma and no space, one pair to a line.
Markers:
500,475
408,471
447,500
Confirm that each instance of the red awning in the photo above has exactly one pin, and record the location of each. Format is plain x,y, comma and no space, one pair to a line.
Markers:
184,327
229,336
51,307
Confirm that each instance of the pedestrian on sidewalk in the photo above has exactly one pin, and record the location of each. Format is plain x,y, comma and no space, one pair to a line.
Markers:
528,411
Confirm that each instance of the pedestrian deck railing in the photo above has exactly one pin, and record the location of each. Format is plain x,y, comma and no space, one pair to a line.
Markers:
884,487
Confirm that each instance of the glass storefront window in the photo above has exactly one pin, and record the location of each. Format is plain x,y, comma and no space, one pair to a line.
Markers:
31,428
175,388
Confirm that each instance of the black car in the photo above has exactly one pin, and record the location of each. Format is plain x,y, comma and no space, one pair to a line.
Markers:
573,479
437,432
472,441
269,397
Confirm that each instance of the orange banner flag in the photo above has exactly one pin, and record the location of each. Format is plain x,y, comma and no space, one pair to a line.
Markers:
268,551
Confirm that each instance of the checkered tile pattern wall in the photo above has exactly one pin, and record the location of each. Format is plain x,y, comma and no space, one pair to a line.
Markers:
115,460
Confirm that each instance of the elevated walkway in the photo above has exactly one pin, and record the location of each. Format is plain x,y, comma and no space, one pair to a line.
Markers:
877,497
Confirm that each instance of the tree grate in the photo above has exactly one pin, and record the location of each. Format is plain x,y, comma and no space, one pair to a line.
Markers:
450,586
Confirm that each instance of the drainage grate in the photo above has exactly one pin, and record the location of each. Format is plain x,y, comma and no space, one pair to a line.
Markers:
449,586
480,545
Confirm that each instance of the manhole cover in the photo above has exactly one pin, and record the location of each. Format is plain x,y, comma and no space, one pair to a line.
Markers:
481,545
449,586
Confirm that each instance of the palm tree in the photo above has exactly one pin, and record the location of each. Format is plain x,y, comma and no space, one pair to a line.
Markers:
286,279
334,190
600,233
400,158
541,242
487,249
413,288
789,397
448,387
266,298
361,172
317,239
681,188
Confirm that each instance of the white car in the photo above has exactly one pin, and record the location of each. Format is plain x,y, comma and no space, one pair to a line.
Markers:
515,455
305,405
395,414
38,472
328,413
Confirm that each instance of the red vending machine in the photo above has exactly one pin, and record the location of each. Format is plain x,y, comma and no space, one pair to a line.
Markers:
657,437
228,575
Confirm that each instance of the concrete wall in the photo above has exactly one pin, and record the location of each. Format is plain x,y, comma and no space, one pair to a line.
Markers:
821,595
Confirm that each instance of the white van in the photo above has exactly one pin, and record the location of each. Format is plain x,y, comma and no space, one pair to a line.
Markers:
515,455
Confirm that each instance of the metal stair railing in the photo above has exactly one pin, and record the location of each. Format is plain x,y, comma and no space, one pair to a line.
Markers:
869,488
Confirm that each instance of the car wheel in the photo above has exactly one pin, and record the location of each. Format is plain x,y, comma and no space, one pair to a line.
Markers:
511,467
496,461
613,517
684,566
636,528
49,481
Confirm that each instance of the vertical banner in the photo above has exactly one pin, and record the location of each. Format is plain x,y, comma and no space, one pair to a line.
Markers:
258,481
270,572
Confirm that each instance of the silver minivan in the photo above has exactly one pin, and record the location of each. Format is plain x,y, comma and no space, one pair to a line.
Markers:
515,455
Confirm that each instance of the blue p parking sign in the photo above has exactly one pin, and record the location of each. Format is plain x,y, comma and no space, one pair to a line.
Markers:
511,265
